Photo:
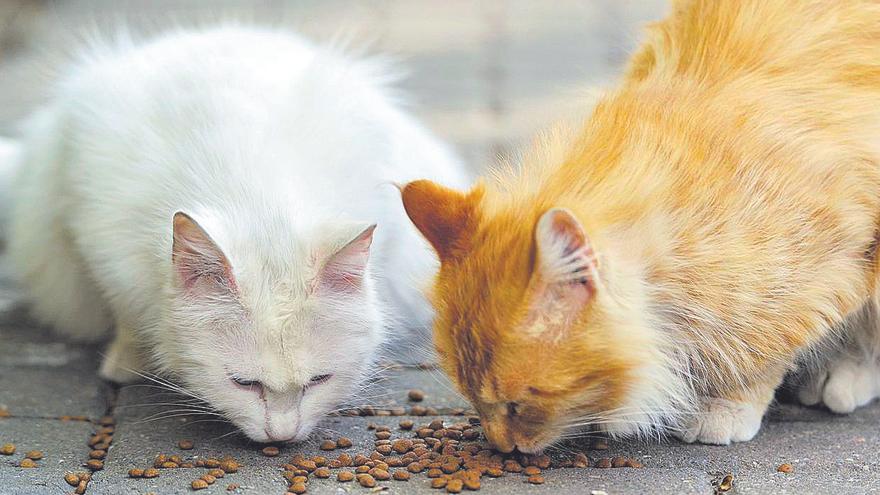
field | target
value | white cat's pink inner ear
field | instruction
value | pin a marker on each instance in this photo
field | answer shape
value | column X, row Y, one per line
column 344, row 271
column 198, row 262
column 565, row 254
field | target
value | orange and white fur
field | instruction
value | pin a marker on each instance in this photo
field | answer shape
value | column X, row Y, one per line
column 713, row 223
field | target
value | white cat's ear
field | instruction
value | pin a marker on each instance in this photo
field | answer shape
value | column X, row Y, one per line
column 198, row 262
column 566, row 273
column 344, row 270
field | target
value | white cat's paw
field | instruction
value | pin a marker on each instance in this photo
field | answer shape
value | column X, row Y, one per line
column 119, row 363
column 847, row 385
column 721, row 422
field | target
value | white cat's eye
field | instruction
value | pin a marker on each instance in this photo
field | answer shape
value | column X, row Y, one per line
column 244, row 382
column 319, row 379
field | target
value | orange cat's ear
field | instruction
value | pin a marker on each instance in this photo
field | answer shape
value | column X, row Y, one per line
column 566, row 273
column 444, row 216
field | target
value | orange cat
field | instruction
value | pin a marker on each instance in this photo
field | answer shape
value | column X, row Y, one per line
column 663, row 269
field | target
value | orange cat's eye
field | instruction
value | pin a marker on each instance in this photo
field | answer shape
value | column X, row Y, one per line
column 512, row 409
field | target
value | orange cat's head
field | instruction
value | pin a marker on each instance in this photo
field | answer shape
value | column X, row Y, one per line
column 525, row 324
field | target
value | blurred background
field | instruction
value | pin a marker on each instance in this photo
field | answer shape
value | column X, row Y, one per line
column 483, row 74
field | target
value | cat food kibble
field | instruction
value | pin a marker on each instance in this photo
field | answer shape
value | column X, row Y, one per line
column 97, row 454
column 344, row 476
column 7, row 449
column 322, row 472
column 603, row 463
column 536, row 479
column 151, row 473
column 416, row 395
column 618, row 462
column 34, row 455
column 81, row 487
column 328, row 445
column 229, row 466
column 95, row 464
column 297, row 488
column 785, row 468
column 232, row 487
column 27, row 463
column 185, row 444
column 217, row 473
column 271, row 451
column 366, row 480
column 454, row 486
column 401, row 475
column 199, row 484
column 343, row 443
column 135, row 473
column 71, row 479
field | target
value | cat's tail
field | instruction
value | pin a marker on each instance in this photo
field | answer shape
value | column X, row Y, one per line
column 10, row 153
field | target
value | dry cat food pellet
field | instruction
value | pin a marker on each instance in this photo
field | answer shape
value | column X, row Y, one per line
column 34, row 455
column 416, row 395
column 785, row 468
column 454, row 486
column 297, row 488
column 581, row 461
column 726, row 483
column 319, row 460
column 383, row 435
column 328, row 445
column 379, row 474
column 199, row 484
column 71, row 479
column 151, row 473
column 633, row 463
column 271, row 451
column 406, row 425
column 322, row 472
column 185, row 444
column 536, row 479
column 343, row 443
column 494, row 472
column 95, row 464
column 438, row 482
column 7, row 449
column 531, row 471
column 618, row 462
column 229, row 466
column 27, row 463
column 232, row 487
column 135, row 473
column 366, row 480
column 217, row 473
column 401, row 475
column 207, row 478
column 344, row 476
column 97, row 454
column 81, row 487
column 169, row 465
column 418, row 410
column 603, row 463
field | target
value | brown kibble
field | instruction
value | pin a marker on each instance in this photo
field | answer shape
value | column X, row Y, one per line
column 27, row 463
column 217, row 473
column 633, row 463
column 454, row 486
column 322, row 472
column 438, row 482
column 211, row 463
column 34, row 455
column 169, row 465
column 401, row 475
column 603, row 463
column 531, row 471
column 97, row 454
column 7, row 449
column 366, row 481
column 107, row 421
column 343, row 443
column 308, row 465
column 228, row 465
column 232, row 487
column 151, row 473
column 581, row 460
column 434, row 473
column 406, row 425
column 199, row 484
column 384, row 450
column 297, row 488
column 494, row 472
column 207, row 478
column 73, row 479
column 185, row 445
column 95, row 464
column 398, row 411
column 362, row 469
column 135, row 473
column 418, row 410
column 472, row 482
column 380, row 474
column 344, row 476
column 785, row 468
column 437, row 424
column 328, row 445
column 319, row 460
column 725, row 484
column 81, row 487
column 536, row 479
column 512, row 466
column 271, row 451
column 383, row 435
column 618, row 462
column 402, row 446
column 415, row 467
column 416, row 395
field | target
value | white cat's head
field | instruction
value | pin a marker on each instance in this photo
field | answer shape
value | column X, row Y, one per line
column 273, row 344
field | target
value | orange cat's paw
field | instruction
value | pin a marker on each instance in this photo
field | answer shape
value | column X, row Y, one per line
column 848, row 384
column 721, row 422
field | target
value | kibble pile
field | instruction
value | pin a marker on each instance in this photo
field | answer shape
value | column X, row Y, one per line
column 452, row 457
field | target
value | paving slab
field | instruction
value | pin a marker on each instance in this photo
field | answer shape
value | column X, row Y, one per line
column 63, row 444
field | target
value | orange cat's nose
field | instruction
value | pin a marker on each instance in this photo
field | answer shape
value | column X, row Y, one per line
column 498, row 436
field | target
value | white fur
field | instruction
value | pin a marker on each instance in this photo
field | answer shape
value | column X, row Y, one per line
column 283, row 152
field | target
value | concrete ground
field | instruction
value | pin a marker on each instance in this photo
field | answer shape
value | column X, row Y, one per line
column 485, row 75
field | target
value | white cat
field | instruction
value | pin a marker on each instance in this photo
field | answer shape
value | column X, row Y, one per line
column 212, row 195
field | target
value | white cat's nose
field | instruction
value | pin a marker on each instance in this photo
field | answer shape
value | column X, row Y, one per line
column 281, row 432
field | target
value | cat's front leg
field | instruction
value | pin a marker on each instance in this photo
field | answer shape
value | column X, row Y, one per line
column 737, row 418
column 123, row 358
